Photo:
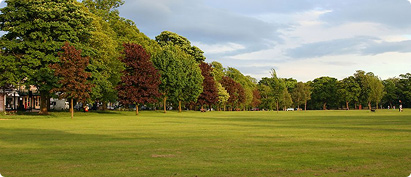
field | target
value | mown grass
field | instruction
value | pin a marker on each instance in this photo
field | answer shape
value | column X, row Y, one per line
column 312, row 143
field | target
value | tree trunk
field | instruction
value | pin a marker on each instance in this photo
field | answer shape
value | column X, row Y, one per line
column 348, row 107
column 369, row 105
column 48, row 103
column 71, row 108
column 179, row 106
column 137, row 109
column 325, row 106
column 104, row 105
column 277, row 106
column 376, row 103
column 43, row 104
column 305, row 106
column 164, row 104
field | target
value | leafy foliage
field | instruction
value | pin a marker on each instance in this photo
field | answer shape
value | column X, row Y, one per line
column 235, row 90
column 256, row 98
column 36, row 30
column 324, row 90
column 71, row 71
column 140, row 80
column 181, row 77
column 209, row 96
column 170, row 38
column 349, row 90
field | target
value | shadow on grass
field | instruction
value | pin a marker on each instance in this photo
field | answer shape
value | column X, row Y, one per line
column 43, row 137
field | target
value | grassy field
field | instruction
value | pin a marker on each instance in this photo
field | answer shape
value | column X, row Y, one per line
column 312, row 143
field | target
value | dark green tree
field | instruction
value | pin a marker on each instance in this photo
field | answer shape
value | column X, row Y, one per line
column 324, row 91
column 36, row 30
column 391, row 92
column 266, row 93
column 404, row 87
column 10, row 75
column 349, row 91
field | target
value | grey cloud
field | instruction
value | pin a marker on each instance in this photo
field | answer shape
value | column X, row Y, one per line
column 379, row 48
column 359, row 45
column 263, row 6
column 201, row 22
column 394, row 13
column 333, row 47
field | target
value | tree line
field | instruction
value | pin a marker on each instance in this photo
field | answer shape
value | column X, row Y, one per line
column 85, row 52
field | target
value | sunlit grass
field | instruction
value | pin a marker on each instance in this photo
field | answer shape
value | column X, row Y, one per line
column 312, row 143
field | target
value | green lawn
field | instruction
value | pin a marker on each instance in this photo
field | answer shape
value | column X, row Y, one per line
column 313, row 143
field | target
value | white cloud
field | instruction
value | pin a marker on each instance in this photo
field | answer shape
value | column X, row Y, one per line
column 219, row 48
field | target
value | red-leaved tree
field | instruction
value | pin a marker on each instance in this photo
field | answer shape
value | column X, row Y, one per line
column 140, row 80
column 256, row 98
column 71, row 70
column 236, row 91
column 209, row 96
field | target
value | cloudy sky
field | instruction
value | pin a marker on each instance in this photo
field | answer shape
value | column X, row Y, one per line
column 301, row 39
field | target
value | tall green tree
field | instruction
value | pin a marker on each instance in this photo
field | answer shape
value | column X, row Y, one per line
column 324, row 91
column 286, row 100
column 247, row 82
column 192, row 81
column 104, row 8
column 376, row 90
column 266, row 93
column 306, row 94
column 300, row 95
column 73, row 78
column 278, row 87
column 218, row 71
column 10, row 75
column 349, row 90
column 181, row 77
column 167, row 38
column 36, row 30
column 404, row 87
column 391, row 91
column 223, row 96
column 104, row 63
column 362, row 80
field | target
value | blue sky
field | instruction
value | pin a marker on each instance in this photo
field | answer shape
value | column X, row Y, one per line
column 302, row 39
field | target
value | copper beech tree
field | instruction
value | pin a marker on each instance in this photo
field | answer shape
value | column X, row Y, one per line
column 209, row 96
column 236, row 91
column 140, row 80
column 71, row 71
